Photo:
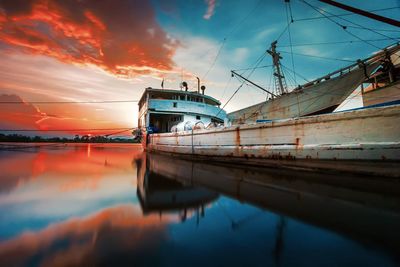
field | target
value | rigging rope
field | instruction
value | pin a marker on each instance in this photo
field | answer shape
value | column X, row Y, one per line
column 261, row 67
column 297, row 73
column 259, row 60
column 290, row 36
column 338, row 24
column 284, row 30
column 328, row 58
column 346, row 14
column 226, row 38
column 226, row 86
column 371, row 29
column 339, row 42
column 215, row 59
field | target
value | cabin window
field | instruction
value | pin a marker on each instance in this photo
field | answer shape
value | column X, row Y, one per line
column 182, row 97
column 176, row 118
column 175, row 104
column 198, row 118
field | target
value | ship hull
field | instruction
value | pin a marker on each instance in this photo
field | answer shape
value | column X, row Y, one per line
column 382, row 95
column 318, row 98
column 365, row 134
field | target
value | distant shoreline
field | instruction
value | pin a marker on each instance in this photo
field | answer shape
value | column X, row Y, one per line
column 70, row 142
column 16, row 146
column 17, row 138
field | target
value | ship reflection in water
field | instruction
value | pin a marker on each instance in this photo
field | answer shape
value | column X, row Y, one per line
column 109, row 205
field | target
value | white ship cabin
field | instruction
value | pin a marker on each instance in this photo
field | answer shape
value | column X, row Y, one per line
column 168, row 110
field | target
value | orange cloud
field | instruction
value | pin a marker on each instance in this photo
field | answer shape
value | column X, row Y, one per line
column 121, row 37
column 121, row 229
column 16, row 114
column 19, row 114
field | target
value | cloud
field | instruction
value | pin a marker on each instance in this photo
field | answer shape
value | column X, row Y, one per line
column 19, row 114
column 265, row 34
column 121, row 37
column 121, row 229
column 210, row 9
column 241, row 54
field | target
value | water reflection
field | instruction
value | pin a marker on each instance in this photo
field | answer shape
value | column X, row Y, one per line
column 81, row 205
column 158, row 194
column 365, row 209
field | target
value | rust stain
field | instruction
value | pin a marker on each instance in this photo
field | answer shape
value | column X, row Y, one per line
column 237, row 151
column 299, row 146
column 237, row 140
column 290, row 157
column 297, row 142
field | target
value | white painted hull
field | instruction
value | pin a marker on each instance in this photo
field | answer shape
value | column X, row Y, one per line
column 366, row 134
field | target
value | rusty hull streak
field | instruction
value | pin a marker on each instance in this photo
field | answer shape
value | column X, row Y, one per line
column 237, row 140
column 306, row 138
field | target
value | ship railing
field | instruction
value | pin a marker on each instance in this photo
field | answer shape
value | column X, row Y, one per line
column 360, row 63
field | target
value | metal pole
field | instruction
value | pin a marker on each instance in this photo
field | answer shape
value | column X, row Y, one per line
column 198, row 85
column 265, row 90
column 363, row 13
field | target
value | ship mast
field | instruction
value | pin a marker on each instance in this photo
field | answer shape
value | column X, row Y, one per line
column 280, row 83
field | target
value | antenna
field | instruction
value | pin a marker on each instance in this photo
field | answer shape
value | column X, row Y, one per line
column 280, row 82
column 198, row 85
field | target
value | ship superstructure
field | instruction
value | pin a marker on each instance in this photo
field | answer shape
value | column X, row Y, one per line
column 168, row 110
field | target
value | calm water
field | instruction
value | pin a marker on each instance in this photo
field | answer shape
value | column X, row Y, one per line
column 111, row 205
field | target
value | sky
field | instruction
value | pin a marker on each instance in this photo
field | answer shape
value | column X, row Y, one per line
column 93, row 51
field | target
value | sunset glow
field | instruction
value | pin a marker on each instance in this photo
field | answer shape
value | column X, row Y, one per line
column 96, row 51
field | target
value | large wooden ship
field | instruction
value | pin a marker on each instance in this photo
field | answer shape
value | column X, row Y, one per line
column 297, row 124
column 369, row 133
